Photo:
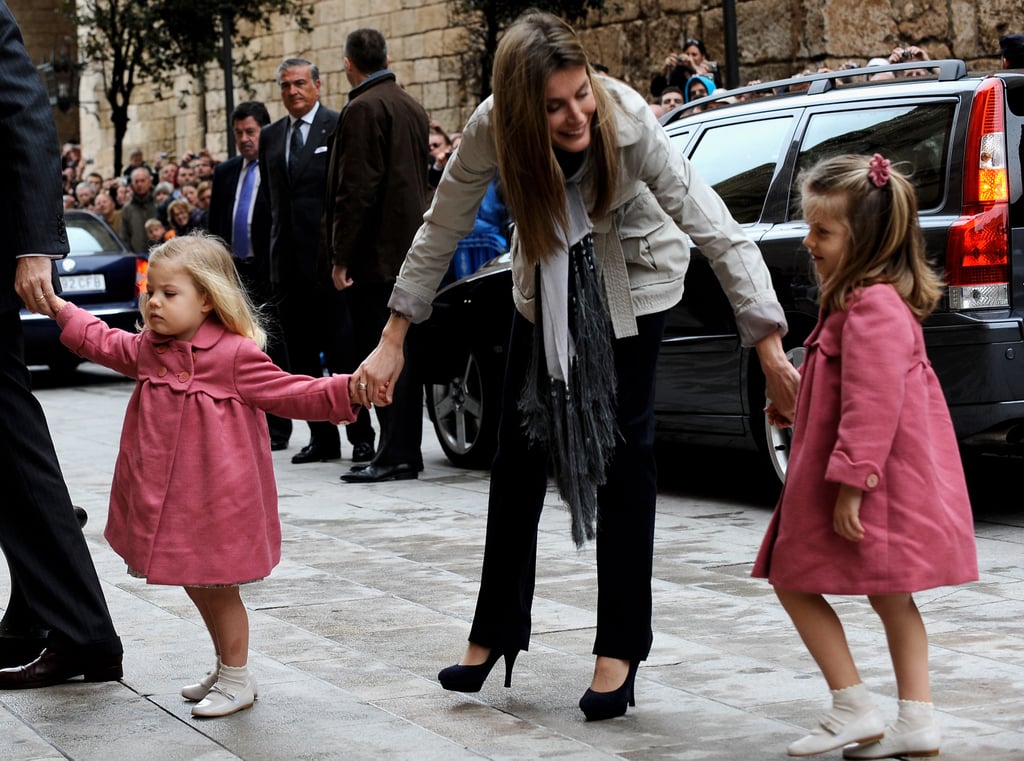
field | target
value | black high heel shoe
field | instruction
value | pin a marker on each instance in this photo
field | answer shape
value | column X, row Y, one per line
column 607, row 705
column 472, row 678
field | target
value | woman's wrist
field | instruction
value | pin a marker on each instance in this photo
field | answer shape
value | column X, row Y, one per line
column 396, row 328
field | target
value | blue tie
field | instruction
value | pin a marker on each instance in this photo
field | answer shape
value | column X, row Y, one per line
column 240, row 230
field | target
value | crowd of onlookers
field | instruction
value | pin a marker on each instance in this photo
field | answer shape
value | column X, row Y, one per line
column 144, row 204
column 688, row 74
column 148, row 204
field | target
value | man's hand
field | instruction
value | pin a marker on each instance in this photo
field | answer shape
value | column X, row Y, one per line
column 33, row 283
column 340, row 277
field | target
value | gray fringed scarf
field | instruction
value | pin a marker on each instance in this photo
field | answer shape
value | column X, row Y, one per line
column 568, row 401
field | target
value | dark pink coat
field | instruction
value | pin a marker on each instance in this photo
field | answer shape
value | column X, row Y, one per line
column 871, row 414
column 194, row 499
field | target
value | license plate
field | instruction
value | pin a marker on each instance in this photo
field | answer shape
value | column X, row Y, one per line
column 83, row 283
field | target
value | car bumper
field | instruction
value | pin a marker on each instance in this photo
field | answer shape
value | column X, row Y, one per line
column 980, row 363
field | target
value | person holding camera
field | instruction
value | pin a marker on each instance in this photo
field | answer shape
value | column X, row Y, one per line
column 678, row 68
column 901, row 54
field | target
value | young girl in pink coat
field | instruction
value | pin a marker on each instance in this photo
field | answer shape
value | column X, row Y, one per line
column 875, row 501
column 194, row 500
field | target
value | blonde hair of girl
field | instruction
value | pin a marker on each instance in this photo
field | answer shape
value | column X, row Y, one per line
column 207, row 261
column 886, row 243
column 536, row 46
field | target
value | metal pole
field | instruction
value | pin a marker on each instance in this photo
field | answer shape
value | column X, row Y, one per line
column 732, row 53
column 227, row 22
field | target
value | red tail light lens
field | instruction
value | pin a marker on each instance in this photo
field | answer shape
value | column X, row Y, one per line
column 141, row 274
column 978, row 249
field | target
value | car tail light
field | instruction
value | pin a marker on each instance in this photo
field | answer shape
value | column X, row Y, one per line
column 141, row 273
column 978, row 249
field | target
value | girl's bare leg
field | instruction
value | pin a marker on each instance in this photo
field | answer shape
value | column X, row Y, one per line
column 822, row 633
column 908, row 644
column 211, row 627
column 226, row 618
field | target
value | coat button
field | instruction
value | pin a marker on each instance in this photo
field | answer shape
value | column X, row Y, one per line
column 162, row 372
column 871, row 481
column 162, row 349
column 183, row 376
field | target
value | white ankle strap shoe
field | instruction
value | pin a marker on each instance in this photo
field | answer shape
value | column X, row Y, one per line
column 835, row 732
column 918, row 743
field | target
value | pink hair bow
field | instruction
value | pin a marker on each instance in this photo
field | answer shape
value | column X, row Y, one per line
column 879, row 172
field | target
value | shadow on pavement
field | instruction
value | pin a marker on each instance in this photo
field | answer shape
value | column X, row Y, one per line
column 732, row 474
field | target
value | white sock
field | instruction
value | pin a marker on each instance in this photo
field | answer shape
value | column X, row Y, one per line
column 854, row 700
column 237, row 676
column 913, row 715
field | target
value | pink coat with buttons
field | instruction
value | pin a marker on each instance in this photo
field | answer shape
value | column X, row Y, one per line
column 871, row 414
column 194, row 499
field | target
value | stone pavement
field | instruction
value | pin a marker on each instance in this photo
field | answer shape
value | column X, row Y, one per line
column 376, row 590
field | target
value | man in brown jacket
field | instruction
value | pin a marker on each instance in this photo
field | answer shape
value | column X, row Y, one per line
column 375, row 199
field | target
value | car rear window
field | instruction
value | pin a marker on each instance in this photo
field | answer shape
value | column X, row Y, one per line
column 738, row 160
column 87, row 235
column 914, row 137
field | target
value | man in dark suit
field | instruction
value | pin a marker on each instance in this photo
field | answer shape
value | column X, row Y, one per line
column 293, row 168
column 376, row 196
column 240, row 214
column 55, row 594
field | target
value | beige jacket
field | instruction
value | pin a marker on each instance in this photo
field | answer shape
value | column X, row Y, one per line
column 641, row 245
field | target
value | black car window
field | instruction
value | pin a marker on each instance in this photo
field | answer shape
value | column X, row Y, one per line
column 90, row 236
column 916, row 138
column 738, row 161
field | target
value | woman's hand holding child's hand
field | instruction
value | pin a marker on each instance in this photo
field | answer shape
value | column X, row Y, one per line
column 355, row 394
column 846, row 517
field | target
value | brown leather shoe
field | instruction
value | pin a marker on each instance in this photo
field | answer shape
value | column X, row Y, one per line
column 52, row 668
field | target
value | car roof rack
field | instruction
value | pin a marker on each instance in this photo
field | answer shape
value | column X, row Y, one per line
column 942, row 70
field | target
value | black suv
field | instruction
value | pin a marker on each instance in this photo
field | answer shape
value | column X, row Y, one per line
column 957, row 134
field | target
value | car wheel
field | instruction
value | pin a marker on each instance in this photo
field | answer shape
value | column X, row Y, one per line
column 465, row 412
column 778, row 440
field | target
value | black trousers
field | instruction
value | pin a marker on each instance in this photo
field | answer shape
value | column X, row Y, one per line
column 54, row 583
column 259, row 293
column 626, row 506
column 315, row 320
column 401, row 422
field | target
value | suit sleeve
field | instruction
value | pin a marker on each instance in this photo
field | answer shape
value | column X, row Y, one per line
column 32, row 208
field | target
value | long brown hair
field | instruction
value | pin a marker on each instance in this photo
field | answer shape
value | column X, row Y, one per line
column 531, row 50
column 886, row 244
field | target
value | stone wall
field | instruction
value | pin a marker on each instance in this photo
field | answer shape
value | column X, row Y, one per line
column 776, row 38
column 45, row 31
